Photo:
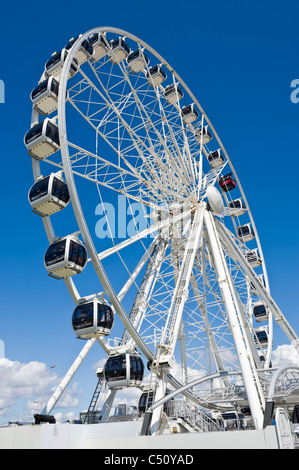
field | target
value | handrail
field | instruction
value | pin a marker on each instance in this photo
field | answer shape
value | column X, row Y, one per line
column 184, row 388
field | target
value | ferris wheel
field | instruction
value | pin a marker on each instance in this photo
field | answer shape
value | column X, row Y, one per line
column 174, row 262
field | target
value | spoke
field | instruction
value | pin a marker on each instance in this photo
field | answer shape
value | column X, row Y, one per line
column 145, row 233
column 148, row 122
column 150, row 174
column 139, row 144
column 115, row 177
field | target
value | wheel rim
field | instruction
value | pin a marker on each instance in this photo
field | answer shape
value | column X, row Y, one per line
column 152, row 181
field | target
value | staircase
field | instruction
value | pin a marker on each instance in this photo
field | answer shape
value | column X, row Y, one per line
column 192, row 417
column 89, row 417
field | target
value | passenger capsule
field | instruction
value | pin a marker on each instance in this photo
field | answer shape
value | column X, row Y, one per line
column 99, row 46
column 124, row 370
column 189, row 113
column 119, row 50
column 92, row 319
column 56, row 62
column 45, row 96
column 263, row 360
column 137, row 61
column 216, row 159
column 261, row 280
column 227, row 183
column 237, row 207
column 66, row 257
column 260, row 312
column 253, row 258
column 156, row 75
column 203, row 135
column 145, row 401
column 232, row 420
column 84, row 51
column 42, row 140
column 49, row 195
column 173, row 93
column 245, row 232
column 261, row 337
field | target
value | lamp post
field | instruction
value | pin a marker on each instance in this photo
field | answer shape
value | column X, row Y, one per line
column 44, row 382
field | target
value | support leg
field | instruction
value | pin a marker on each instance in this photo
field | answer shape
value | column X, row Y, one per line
column 104, row 415
column 246, row 367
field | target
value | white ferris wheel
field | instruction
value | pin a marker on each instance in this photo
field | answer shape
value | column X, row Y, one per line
column 114, row 126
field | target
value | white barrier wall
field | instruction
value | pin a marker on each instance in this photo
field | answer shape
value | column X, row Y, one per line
column 126, row 436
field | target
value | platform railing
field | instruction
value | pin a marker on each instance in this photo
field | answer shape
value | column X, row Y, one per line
column 192, row 415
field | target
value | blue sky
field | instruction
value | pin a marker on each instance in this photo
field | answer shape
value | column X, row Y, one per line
column 239, row 59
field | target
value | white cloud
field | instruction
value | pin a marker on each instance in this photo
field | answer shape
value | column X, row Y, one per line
column 285, row 355
column 21, row 381
column 64, row 416
column 69, row 398
column 100, row 363
column 28, row 386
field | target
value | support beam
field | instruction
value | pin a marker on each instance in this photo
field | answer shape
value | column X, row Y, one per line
column 159, row 395
column 254, row 399
column 104, row 414
column 181, row 291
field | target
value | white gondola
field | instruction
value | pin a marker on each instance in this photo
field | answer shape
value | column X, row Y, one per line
column 253, row 258
column 189, row 113
column 99, row 46
column 261, row 280
column 119, row 50
column 84, row 52
column 42, row 139
column 124, row 370
column 55, row 64
column 123, row 412
column 145, row 401
column 66, row 257
column 92, row 319
column 156, row 75
column 173, row 93
column 245, row 232
column 261, row 337
column 260, row 312
column 137, row 61
column 263, row 360
column 45, row 96
column 237, row 207
column 49, row 195
column 232, row 420
column 216, row 159
column 203, row 135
